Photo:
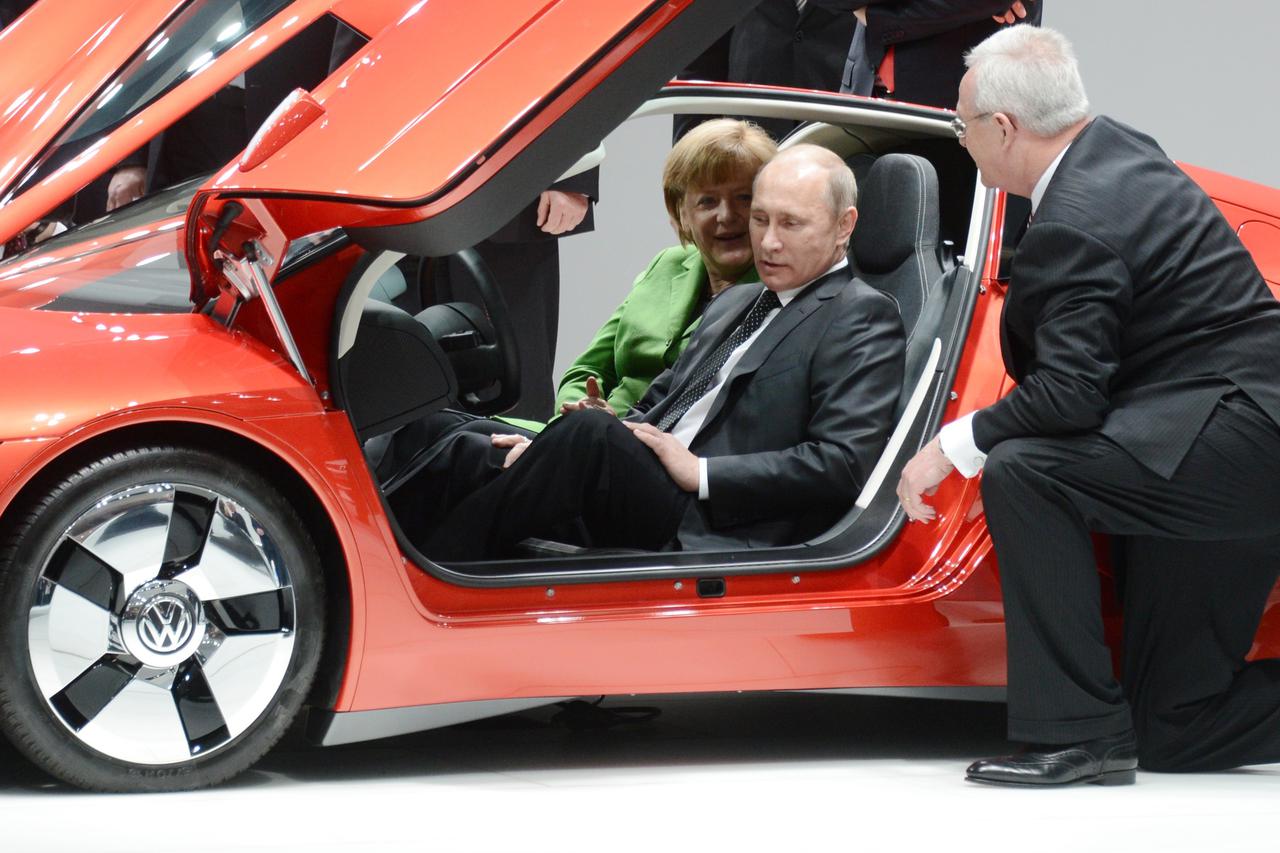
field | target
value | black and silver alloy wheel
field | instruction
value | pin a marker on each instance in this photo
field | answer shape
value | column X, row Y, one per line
column 163, row 617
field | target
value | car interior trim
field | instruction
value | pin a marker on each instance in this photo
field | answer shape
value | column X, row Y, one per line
column 899, row 435
column 349, row 325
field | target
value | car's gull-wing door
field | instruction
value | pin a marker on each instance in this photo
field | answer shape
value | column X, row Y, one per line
column 82, row 91
column 442, row 127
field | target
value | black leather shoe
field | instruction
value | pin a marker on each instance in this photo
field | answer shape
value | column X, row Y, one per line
column 1105, row 761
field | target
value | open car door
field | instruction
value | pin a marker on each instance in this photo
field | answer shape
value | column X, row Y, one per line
column 441, row 128
column 81, row 92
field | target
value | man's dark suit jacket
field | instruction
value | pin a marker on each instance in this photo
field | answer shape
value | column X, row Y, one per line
column 1132, row 307
column 929, row 39
column 778, row 45
column 795, row 432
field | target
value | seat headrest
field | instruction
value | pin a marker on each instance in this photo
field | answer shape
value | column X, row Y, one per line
column 897, row 212
column 396, row 371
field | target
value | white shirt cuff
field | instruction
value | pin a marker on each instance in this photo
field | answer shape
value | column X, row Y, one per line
column 704, row 488
column 956, row 441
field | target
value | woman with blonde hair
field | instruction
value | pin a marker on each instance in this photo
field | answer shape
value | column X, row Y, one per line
column 706, row 184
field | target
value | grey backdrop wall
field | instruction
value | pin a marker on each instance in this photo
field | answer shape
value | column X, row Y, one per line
column 1202, row 78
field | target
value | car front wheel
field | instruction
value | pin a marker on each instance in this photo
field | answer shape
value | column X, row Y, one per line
column 162, row 614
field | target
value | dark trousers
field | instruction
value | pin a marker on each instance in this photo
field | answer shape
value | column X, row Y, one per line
column 585, row 467
column 1200, row 555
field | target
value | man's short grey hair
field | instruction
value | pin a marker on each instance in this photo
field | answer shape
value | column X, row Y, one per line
column 1029, row 73
column 842, row 188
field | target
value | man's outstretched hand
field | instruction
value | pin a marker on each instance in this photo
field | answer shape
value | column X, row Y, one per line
column 674, row 456
column 920, row 477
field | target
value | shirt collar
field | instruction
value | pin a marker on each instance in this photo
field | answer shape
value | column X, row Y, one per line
column 785, row 296
column 1041, row 185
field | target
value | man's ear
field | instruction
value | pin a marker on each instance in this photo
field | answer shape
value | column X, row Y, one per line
column 845, row 224
column 1007, row 128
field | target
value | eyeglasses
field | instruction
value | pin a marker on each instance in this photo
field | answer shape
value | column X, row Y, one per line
column 960, row 127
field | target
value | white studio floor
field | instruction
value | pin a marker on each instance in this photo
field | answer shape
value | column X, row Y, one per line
column 776, row 772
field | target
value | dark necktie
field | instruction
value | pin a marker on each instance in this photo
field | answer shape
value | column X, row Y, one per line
column 701, row 379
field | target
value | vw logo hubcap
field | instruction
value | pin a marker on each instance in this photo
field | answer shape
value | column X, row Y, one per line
column 163, row 623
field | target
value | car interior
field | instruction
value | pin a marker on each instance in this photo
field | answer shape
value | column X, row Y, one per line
column 919, row 205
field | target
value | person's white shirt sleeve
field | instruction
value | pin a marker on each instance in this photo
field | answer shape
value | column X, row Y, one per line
column 956, row 441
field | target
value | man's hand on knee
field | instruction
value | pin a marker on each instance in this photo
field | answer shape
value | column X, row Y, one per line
column 517, row 445
column 681, row 465
column 920, row 477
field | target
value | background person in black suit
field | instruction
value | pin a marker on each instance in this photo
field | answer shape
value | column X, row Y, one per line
column 11, row 9
column 761, row 434
column 779, row 43
column 927, row 41
column 1141, row 335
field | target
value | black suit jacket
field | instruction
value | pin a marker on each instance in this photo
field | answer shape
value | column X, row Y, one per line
column 929, row 38
column 1132, row 307
column 793, row 435
column 778, row 45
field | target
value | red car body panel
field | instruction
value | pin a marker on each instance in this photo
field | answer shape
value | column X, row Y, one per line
column 923, row 611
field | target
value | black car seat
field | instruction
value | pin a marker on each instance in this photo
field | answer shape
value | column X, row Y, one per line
column 895, row 245
column 394, row 376
column 896, row 249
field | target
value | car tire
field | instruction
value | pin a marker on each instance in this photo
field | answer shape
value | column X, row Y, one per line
column 161, row 618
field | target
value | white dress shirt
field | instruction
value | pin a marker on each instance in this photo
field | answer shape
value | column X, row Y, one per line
column 956, row 438
column 690, row 424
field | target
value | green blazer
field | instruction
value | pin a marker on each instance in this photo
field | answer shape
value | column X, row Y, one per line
column 646, row 334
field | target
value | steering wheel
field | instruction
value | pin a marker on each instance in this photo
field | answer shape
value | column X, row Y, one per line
column 480, row 341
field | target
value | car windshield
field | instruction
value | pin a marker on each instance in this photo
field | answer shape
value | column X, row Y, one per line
column 136, row 218
column 184, row 47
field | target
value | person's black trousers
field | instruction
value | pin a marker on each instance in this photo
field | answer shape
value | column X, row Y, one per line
column 1200, row 553
column 585, row 466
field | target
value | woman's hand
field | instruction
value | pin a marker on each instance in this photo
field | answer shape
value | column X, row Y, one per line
column 593, row 400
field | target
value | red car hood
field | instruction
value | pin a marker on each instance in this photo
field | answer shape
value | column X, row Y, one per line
column 434, row 110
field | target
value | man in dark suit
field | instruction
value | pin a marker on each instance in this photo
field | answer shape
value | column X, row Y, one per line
column 913, row 50
column 10, row 10
column 763, row 431
column 1142, row 338
column 779, row 43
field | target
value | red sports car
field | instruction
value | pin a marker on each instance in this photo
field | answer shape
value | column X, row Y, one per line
column 209, row 422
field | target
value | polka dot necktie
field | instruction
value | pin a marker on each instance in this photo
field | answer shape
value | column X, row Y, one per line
column 701, row 379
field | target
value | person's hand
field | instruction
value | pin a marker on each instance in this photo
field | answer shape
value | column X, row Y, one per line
column 127, row 185
column 593, row 400
column 920, row 477
column 560, row 212
column 861, row 15
column 516, row 444
column 681, row 465
column 1015, row 13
